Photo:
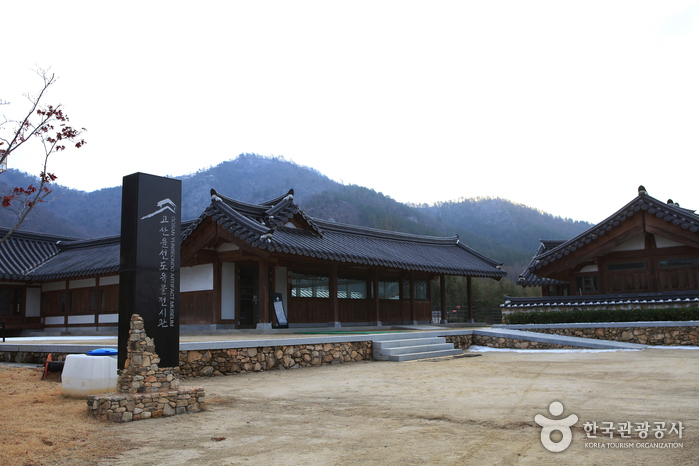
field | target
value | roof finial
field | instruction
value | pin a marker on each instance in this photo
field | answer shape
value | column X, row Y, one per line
column 642, row 190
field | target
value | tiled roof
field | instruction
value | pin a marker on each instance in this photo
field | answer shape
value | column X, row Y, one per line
column 83, row 258
column 527, row 278
column 277, row 226
column 630, row 299
column 670, row 212
column 266, row 226
column 23, row 251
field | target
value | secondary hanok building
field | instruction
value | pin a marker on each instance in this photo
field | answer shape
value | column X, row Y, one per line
column 237, row 260
column 645, row 254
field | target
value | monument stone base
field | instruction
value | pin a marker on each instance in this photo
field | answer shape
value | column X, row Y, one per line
column 144, row 389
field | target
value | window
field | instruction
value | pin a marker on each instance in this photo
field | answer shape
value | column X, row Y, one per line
column 693, row 262
column 421, row 289
column 309, row 286
column 10, row 301
column 586, row 283
column 389, row 290
column 351, row 288
column 621, row 266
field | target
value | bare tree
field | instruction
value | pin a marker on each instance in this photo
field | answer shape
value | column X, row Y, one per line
column 49, row 124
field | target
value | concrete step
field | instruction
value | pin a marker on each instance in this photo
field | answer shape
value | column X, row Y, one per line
column 425, row 355
column 416, row 349
column 410, row 347
column 409, row 342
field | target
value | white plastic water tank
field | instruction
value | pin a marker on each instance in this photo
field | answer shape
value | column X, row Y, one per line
column 85, row 375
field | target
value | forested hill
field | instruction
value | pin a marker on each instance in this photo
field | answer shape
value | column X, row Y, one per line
column 498, row 228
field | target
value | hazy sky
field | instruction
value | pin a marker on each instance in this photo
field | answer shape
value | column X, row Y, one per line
column 560, row 105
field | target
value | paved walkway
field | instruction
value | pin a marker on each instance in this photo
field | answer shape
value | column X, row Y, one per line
column 241, row 339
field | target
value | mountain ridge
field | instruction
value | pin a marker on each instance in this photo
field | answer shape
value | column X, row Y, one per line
column 498, row 228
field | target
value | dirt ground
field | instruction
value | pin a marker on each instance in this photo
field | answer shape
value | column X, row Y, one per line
column 463, row 410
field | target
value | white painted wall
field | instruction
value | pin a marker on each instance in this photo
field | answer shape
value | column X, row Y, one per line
column 108, row 318
column 89, row 319
column 55, row 320
column 661, row 242
column 228, row 290
column 33, row 302
column 113, row 280
column 197, row 278
column 86, row 283
column 227, row 247
column 637, row 243
column 53, row 286
column 589, row 268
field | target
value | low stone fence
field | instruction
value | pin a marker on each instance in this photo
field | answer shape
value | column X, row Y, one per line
column 209, row 362
column 117, row 407
column 644, row 333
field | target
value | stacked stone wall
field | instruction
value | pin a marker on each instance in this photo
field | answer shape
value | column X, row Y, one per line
column 665, row 336
column 117, row 407
column 206, row 363
column 460, row 341
column 145, row 390
column 498, row 342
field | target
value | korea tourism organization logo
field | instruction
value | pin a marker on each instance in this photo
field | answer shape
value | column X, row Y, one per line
column 549, row 426
column 647, row 435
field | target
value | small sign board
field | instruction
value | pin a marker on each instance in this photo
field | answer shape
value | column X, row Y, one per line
column 279, row 310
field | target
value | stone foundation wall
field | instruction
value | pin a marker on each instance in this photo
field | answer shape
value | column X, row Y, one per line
column 207, row 363
column 460, row 341
column 118, row 407
column 665, row 336
column 591, row 307
column 497, row 342
column 27, row 357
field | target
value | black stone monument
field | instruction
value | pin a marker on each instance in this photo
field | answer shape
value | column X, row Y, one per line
column 149, row 275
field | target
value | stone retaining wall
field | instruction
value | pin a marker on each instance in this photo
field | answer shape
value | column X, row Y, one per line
column 206, row 363
column 665, row 336
column 460, row 341
column 499, row 342
column 28, row 357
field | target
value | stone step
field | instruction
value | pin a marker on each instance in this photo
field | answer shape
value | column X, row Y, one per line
column 425, row 355
column 409, row 342
column 416, row 349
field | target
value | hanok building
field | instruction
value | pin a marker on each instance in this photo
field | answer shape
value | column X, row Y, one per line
column 237, row 259
column 645, row 254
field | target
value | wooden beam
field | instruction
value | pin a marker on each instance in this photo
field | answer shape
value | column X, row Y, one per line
column 443, row 298
column 594, row 249
column 660, row 227
column 377, row 312
column 470, row 299
column 411, row 286
column 334, row 304
column 263, row 280
column 202, row 236
column 217, row 291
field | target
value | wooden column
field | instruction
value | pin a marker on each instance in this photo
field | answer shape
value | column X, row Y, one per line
column 334, row 304
column 377, row 313
column 470, row 299
column 443, row 298
column 411, row 284
column 216, row 317
column 263, row 285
